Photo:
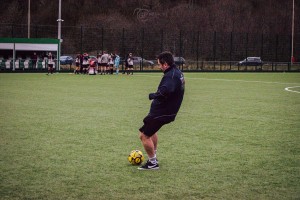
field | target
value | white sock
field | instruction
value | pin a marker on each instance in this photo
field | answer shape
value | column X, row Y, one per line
column 153, row 159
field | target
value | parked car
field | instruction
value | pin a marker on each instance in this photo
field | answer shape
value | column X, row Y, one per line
column 251, row 61
column 66, row 60
column 179, row 60
column 138, row 61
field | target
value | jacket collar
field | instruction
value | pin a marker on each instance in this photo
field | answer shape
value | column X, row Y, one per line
column 171, row 67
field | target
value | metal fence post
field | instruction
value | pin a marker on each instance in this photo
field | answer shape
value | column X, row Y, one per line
column 12, row 31
column 123, row 47
column 238, row 65
column 215, row 49
column 262, row 46
column 81, row 43
column 36, row 31
column 197, row 50
column 230, row 56
column 102, row 39
column 180, row 48
column 276, row 53
column 291, row 46
column 142, row 50
column 247, row 40
column 162, row 40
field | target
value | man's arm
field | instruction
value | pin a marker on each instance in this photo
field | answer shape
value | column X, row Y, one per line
column 164, row 90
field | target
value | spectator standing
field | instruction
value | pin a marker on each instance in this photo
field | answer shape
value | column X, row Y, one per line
column 99, row 63
column 126, row 64
column 81, row 61
column 130, row 64
column 34, row 59
column 92, row 67
column 104, row 62
column 85, row 63
column 77, row 63
column 50, row 63
column 117, row 63
column 111, row 64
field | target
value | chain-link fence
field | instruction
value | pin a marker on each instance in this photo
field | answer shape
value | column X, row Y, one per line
column 201, row 50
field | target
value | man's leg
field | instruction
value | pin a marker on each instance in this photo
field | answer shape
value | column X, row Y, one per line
column 148, row 145
column 149, row 148
column 154, row 139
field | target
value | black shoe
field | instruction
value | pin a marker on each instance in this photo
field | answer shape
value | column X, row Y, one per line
column 149, row 166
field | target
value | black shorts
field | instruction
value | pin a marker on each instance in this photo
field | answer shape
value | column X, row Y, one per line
column 130, row 66
column 152, row 125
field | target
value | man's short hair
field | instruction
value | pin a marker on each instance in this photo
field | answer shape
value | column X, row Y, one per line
column 166, row 57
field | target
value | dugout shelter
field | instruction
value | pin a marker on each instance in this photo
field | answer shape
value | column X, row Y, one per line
column 16, row 53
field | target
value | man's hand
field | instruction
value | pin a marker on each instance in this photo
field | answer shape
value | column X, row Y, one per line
column 151, row 96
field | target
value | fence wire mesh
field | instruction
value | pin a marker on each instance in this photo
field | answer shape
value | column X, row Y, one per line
column 198, row 47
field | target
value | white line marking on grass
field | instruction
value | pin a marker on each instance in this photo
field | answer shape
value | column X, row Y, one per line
column 219, row 79
column 289, row 89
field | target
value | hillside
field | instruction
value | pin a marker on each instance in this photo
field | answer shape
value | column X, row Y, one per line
column 266, row 16
column 205, row 30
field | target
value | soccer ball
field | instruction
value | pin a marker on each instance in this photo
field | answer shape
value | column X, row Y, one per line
column 136, row 157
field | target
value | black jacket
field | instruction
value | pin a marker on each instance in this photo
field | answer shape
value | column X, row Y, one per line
column 168, row 98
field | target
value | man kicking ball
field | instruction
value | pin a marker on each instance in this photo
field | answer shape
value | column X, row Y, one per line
column 164, row 107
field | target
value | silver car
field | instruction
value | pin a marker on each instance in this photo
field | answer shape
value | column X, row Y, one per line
column 251, row 61
column 138, row 61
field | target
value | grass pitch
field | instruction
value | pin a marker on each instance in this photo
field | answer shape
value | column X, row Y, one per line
column 64, row 136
